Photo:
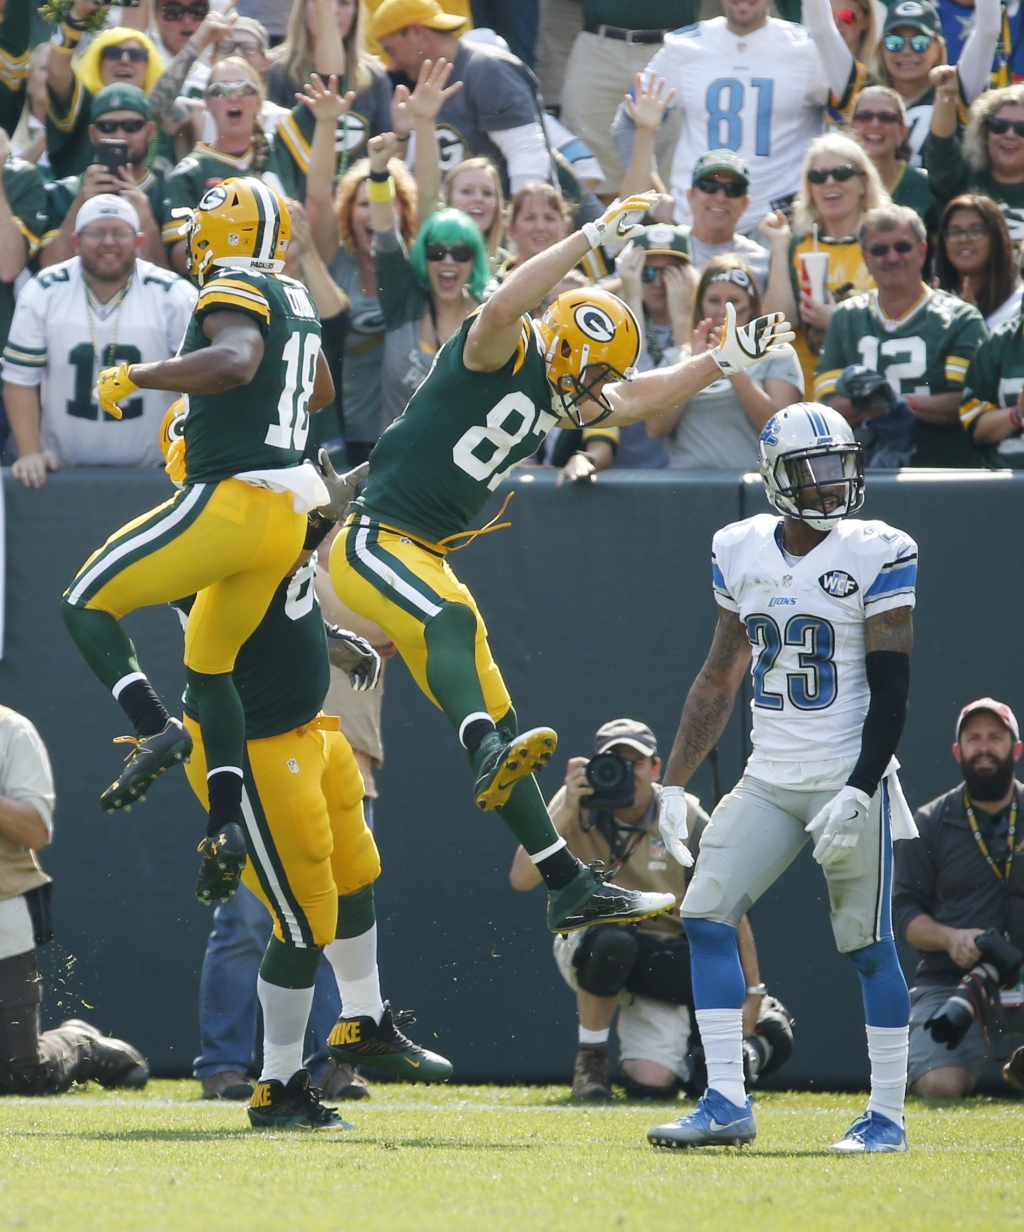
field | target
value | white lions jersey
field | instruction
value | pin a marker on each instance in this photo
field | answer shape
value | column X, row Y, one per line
column 61, row 341
column 762, row 95
column 805, row 621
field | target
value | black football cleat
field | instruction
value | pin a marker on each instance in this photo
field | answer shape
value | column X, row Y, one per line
column 110, row 1062
column 589, row 900
column 224, row 857
column 150, row 757
column 294, row 1104
column 382, row 1045
column 499, row 766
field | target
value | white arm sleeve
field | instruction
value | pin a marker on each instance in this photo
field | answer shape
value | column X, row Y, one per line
column 525, row 152
column 974, row 67
column 836, row 57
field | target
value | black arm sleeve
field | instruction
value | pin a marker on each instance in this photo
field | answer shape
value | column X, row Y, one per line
column 888, row 674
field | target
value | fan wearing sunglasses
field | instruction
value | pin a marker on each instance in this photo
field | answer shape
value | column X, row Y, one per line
column 920, row 339
column 990, row 159
column 879, row 123
column 838, row 186
column 427, row 291
column 119, row 56
column 121, row 134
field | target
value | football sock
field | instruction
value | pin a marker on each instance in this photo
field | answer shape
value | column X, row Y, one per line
column 716, row 973
column 591, row 1039
column 883, row 984
column 138, row 699
column 285, row 989
column 224, row 785
column 104, row 644
column 887, row 1052
column 721, row 1033
column 355, row 913
column 474, row 728
column 222, row 723
column 527, row 817
column 452, row 675
column 354, row 962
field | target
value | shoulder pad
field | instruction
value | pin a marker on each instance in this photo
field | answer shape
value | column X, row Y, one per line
column 874, row 538
column 761, row 525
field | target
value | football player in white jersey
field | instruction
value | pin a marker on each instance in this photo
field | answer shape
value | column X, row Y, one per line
column 105, row 306
column 819, row 605
column 747, row 82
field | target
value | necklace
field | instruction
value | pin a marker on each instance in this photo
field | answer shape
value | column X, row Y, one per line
column 1002, row 873
column 110, row 350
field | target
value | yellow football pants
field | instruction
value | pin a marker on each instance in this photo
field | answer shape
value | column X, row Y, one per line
column 230, row 542
column 400, row 585
column 308, row 841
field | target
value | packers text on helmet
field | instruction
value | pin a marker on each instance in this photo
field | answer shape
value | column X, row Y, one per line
column 238, row 224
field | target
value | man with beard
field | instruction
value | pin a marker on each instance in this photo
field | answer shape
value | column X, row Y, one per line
column 954, row 881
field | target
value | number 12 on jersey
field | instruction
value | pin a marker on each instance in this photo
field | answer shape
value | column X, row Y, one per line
column 724, row 101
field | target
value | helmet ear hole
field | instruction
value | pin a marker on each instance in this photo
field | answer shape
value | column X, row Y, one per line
column 566, row 348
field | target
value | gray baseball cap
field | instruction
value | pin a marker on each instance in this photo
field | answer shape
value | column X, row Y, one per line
column 626, row 731
column 721, row 160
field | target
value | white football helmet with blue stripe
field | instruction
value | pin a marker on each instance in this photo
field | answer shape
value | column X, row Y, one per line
column 811, row 465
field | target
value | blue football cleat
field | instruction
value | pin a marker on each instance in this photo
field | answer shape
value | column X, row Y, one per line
column 871, row 1132
column 714, row 1122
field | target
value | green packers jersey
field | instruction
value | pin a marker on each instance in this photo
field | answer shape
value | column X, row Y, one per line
column 434, row 468
column 913, row 190
column 15, row 36
column 282, row 672
column 926, row 351
column 994, row 381
column 265, row 423
column 26, row 199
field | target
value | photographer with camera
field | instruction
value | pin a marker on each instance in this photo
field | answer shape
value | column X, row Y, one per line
column 959, row 898
column 607, row 810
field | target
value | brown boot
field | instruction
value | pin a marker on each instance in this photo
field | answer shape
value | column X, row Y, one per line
column 343, row 1082
column 590, row 1084
column 227, row 1084
column 1013, row 1070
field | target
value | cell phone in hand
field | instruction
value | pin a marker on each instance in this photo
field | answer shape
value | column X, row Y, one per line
column 112, row 154
column 784, row 204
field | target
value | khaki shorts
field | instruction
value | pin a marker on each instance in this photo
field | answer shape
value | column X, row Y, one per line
column 648, row 1030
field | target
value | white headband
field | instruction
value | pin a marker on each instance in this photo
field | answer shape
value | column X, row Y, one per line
column 738, row 276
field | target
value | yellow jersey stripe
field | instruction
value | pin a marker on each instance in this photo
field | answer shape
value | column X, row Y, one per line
column 232, row 301
column 236, row 284
column 825, row 383
column 239, row 292
column 31, row 238
column 611, row 435
column 974, row 407
column 67, row 123
column 288, row 132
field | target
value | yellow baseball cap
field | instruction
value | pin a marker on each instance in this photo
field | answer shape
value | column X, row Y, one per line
column 395, row 15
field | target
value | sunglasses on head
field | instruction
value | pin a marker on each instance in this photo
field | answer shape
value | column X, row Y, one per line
column 918, row 42
column 882, row 250
column 821, row 175
column 230, row 89
column 997, row 125
column 882, row 117
column 107, row 127
column 137, row 55
column 457, row 252
column 178, row 12
column 729, row 187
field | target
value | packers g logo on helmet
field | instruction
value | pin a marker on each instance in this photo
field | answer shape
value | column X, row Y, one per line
column 238, row 224
column 589, row 336
column 172, row 441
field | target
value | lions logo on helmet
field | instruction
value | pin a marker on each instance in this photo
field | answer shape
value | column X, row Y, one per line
column 810, row 464
column 172, row 441
column 238, row 224
column 589, row 336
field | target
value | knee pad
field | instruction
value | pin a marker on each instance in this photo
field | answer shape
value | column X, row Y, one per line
column 662, row 970
column 604, row 960
column 771, row 1046
column 641, row 1090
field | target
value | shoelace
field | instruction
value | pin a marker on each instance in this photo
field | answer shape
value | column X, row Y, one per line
column 134, row 740
column 403, row 1018
column 310, row 1098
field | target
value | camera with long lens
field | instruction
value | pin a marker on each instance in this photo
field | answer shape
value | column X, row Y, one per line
column 978, row 991
column 611, row 777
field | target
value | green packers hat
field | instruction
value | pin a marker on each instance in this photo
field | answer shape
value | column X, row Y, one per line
column 723, row 160
column 919, row 14
column 660, row 237
column 120, row 98
column 626, row 731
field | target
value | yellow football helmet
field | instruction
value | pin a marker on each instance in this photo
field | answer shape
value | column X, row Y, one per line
column 238, row 224
column 589, row 336
column 172, row 441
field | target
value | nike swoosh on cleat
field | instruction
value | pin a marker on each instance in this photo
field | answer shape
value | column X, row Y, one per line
column 715, row 1125
column 414, row 1064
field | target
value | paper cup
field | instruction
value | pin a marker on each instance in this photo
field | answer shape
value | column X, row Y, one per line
column 815, row 275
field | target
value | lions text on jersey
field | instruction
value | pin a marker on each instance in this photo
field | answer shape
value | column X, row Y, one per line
column 62, row 337
column 805, row 620
column 762, row 94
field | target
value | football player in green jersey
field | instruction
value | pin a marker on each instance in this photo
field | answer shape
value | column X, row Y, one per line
column 252, row 368
column 497, row 387
column 920, row 339
column 994, row 396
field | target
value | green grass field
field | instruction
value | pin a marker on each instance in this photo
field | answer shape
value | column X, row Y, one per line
column 487, row 1159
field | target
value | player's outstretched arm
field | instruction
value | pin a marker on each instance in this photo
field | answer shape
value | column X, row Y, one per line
column 494, row 334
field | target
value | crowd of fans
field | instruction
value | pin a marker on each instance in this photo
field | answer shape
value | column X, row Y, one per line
column 784, row 140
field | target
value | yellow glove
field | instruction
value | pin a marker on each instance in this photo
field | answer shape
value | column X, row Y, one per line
column 113, row 386
column 621, row 220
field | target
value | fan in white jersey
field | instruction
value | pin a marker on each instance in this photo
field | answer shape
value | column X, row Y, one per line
column 745, row 82
column 103, row 307
column 819, row 606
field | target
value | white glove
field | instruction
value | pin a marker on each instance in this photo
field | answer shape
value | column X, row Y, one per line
column 621, row 220
column 837, row 827
column 672, row 825
column 743, row 345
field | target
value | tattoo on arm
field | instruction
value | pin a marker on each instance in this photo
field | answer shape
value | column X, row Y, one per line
column 169, row 86
column 892, row 630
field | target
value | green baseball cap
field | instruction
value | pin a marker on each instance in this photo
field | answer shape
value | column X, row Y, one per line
column 660, row 237
column 919, row 14
column 721, row 160
column 120, row 97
